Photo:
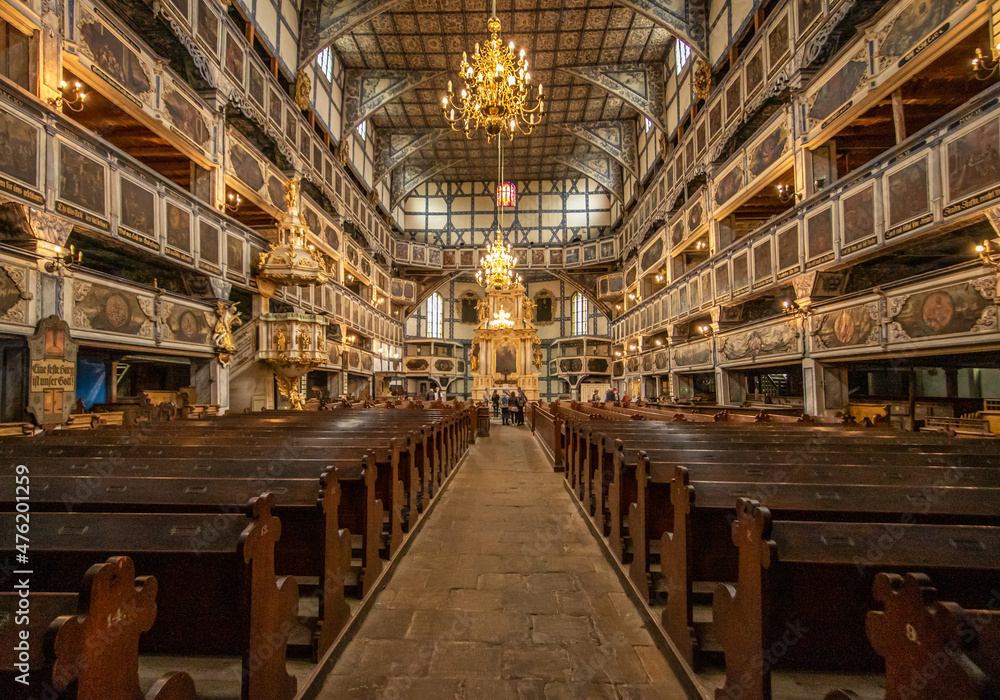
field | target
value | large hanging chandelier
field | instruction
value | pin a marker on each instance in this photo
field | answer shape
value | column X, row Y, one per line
column 495, row 96
column 496, row 269
column 501, row 320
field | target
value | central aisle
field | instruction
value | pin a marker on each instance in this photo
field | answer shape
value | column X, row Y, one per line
column 504, row 594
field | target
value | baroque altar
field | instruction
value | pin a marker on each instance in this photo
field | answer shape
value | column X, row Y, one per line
column 506, row 351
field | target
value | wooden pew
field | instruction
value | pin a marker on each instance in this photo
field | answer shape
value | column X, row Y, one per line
column 934, row 649
column 217, row 590
column 826, row 565
column 91, row 641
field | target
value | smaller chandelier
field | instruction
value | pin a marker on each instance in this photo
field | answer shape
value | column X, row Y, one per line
column 501, row 320
column 496, row 270
column 506, row 194
column 495, row 96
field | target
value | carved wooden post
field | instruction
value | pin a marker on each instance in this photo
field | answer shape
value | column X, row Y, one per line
column 273, row 608
column 740, row 614
column 557, row 445
column 637, row 528
column 675, row 563
column 99, row 647
column 334, row 612
column 396, row 484
column 614, row 502
column 374, row 512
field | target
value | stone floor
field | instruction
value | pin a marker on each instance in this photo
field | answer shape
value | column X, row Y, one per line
column 503, row 594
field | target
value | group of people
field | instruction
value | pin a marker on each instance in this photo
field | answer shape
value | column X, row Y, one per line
column 435, row 394
column 510, row 406
column 611, row 396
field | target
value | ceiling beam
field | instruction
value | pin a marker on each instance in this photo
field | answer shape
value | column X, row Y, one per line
column 685, row 19
column 325, row 21
column 616, row 138
column 411, row 175
column 367, row 91
column 640, row 85
column 393, row 146
column 601, row 168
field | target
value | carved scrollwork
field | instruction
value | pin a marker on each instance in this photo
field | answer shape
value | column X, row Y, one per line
column 81, row 289
column 80, row 318
column 986, row 286
column 987, row 322
column 896, row 333
column 18, row 275
column 895, row 305
column 49, row 227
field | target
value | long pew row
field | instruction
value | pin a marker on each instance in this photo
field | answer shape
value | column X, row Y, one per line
column 257, row 536
column 827, row 520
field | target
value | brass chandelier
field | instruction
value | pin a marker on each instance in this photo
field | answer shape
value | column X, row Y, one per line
column 501, row 320
column 496, row 270
column 495, row 96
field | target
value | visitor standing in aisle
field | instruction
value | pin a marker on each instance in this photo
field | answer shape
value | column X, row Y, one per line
column 496, row 403
column 522, row 405
column 505, row 407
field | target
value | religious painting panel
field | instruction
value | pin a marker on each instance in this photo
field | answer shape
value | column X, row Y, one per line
column 729, row 184
column 234, row 255
column 186, row 117
column 187, row 325
column 105, row 308
column 692, row 354
column 652, row 255
column 834, row 96
column 208, row 247
column 913, row 29
column 573, row 255
column 208, row 28
column 770, row 150
column 434, row 256
column 466, row 258
column 112, row 58
column 19, row 154
column 734, row 99
column 763, row 262
column 556, row 257
column 808, row 11
column 255, row 86
column 276, row 192
column 607, row 250
column 537, row 257
column 789, row 257
column 715, row 120
column 178, row 227
column 701, row 139
column 722, row 280
column 82, row 180
column 235, row 58
column 741, row 273
column 960, row 308
column 246, row 167
column 858, row 219
column 819, row 237
column 590, row 253
column 908, row 198
column 137, row 207
column 778, row 44
column 753, row 71
column 973, row 162
column 857, row 325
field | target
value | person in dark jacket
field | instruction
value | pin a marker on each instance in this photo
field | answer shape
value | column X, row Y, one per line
column 522, row 404
column 505, row 407
column 496, row 403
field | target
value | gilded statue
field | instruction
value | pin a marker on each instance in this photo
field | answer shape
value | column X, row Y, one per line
column 226, row 318
column 483, row 309
column 474, row 358
column 302, row 89
column 292, row 194
column 280, row 341
column 529, row 309
column 536, row 348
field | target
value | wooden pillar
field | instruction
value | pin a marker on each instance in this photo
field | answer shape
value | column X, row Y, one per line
column 898, row 116
column 911, row 408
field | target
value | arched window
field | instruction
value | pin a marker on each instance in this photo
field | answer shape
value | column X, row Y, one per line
column 581, row 310
column 435, row 324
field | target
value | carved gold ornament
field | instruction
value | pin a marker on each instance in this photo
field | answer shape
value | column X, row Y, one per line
column 302, row 89
column 701, row 79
